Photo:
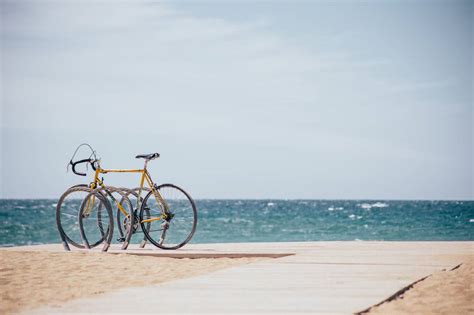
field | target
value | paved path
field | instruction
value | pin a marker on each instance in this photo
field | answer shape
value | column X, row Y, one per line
column 318, row 278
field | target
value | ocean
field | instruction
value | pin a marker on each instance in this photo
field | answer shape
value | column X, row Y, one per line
column 27, row 222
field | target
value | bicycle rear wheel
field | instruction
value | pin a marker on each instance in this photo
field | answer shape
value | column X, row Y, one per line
column 169, row 218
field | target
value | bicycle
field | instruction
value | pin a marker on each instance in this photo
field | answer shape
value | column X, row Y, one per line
column 166, row 209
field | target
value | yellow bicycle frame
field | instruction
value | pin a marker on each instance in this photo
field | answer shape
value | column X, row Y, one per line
column 145, row 176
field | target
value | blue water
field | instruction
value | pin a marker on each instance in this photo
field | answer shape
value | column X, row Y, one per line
column 33, row 222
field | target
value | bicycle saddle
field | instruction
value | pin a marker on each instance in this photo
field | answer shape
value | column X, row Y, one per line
column 148, row 157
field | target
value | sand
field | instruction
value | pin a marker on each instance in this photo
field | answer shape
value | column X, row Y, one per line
column 444, row 292
column 30, row 278
column 350, row 273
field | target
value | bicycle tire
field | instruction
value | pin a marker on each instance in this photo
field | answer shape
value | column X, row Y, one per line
column 105, row 236
column 177, row 209
column 66, row 232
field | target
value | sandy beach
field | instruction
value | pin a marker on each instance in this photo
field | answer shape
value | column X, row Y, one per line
column 444, row 292
column 29, row 279
column 293, row 277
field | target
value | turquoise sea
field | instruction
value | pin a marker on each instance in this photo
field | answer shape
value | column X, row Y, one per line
column 33, row 222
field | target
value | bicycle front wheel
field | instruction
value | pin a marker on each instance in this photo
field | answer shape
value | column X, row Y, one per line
column 168, row 217
column 96, row 222
column 67, row 211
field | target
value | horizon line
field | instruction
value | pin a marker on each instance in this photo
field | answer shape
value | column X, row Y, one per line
column 289, row 199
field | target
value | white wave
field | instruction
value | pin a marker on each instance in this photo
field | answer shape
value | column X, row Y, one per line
column 471, row 220
column 374, row 205
column 270, row 204
column 352, row 216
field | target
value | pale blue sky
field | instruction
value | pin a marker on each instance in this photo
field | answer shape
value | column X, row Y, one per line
column 305, row 99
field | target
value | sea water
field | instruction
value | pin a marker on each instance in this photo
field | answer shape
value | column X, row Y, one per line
column 25, row 222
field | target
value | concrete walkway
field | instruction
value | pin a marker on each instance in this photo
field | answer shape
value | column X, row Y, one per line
column 317, row 278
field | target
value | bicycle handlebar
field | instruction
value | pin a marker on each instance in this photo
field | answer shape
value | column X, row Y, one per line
column 92, row 162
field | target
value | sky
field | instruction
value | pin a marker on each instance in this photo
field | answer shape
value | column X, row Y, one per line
column 242, row 99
